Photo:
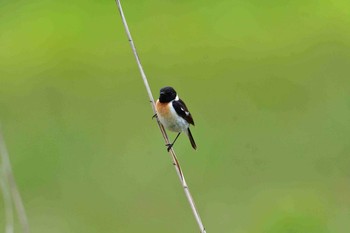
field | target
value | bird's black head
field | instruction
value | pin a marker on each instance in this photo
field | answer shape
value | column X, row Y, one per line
column 167, row 94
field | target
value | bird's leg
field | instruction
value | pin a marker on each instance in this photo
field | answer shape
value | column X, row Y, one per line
column 155, row 115
column 171, row 145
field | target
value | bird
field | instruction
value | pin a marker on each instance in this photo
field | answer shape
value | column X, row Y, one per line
column 172, row 112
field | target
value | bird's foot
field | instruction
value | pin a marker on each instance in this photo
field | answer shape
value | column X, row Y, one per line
column 155, row 115
column 169, row 146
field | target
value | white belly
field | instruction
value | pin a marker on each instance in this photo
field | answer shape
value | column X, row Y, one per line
column 172, row 121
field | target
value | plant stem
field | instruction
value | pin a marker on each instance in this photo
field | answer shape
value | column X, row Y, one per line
column 9, row 180
column 7, row 201
column 164, row 134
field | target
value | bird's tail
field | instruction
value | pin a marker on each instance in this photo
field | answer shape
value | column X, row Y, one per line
column 193, row 143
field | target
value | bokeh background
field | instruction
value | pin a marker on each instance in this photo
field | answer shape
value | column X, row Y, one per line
column 267, row 83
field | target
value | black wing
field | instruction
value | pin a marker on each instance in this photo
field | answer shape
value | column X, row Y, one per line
column 182, row 111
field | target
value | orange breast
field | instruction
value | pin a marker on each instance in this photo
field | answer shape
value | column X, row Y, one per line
column 162, row 109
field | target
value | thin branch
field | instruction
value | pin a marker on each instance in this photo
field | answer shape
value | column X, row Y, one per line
column 10, row 180
column 7, row 201
column 164, row 134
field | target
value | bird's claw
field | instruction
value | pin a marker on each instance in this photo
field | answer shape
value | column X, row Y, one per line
column 169, row 146
column 155, row 115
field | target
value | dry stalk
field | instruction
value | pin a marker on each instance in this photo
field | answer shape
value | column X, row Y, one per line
column 164, row 134
column 7, row 201
column 11, row 193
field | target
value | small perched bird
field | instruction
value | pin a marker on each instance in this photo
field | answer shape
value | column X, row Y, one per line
column 173, row 114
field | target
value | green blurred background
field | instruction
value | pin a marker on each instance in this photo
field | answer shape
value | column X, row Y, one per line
column 267, row 83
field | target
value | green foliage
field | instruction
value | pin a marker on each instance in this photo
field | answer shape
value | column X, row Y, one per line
column 267, row 83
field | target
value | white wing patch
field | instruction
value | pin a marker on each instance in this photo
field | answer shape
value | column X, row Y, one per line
column 187, row 113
